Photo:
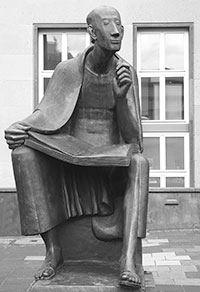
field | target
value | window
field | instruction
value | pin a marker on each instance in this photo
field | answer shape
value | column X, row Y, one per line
column 163, row 71
column 56, row 45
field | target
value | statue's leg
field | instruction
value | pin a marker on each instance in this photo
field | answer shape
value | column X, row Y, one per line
column 54, row 258
column 40, row 201
column 135, row 209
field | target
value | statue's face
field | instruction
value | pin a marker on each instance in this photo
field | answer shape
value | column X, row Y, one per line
column 108, row 30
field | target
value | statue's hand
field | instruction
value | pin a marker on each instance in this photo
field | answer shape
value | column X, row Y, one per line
column 122, row 80
column 16, row 134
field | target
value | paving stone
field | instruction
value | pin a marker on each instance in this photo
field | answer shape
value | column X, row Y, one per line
column 172, row 275
column 188, row 282
column 194, row 275
column 191, row 288
column 157, row 268
column 178, row 258
column 195, row 256
column 176, row 250
column 158, row 255
column 163, row 281
column 30, row 240
column 160, row 241
column 16, row 285
column 196, row 262
column 167, row 263
column 149, row 263
column 170, row 288
column 34, row 258
column 187, row 263
column 188, row 268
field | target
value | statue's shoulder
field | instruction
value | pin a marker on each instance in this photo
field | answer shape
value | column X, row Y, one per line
column 74, row 65
column 67, row 66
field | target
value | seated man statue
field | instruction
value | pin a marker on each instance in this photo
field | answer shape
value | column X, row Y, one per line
column 93, row 97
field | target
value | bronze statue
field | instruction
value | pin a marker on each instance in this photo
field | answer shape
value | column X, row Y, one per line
column 93, row 97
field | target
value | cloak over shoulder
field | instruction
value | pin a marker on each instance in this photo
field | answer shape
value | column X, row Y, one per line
column 60, row 98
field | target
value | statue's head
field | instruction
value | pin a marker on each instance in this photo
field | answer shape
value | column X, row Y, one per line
column 105, row 28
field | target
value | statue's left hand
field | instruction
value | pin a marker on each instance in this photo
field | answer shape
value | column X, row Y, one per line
column 122, row 80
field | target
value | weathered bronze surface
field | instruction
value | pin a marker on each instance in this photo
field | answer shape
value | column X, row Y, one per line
column 93, row 97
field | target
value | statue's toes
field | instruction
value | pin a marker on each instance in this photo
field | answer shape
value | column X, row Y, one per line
column 135, row 279
column 130, row 279
column 48, row 273
column 124, row 276
column 45, row 273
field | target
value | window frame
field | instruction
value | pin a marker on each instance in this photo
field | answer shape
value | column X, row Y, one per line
column 163, row 173
column 37, row 27
column 182, row 126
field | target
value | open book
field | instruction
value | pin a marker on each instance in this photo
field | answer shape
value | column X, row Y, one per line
column 76, row 151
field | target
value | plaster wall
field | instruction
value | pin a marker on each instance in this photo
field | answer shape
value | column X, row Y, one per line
column 16, row 53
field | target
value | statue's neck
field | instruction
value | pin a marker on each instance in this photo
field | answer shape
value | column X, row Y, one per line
column 100, row 61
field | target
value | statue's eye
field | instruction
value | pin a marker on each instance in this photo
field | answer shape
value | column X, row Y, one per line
column 106, row 22
column 118, row 22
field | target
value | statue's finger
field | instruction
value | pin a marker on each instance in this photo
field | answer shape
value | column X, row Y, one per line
column 122, row 65
column 122, row 71
column 13, row 146
column 124, row 80
column 14, row 132
column 11, row 142
column 124, row 75
column 18, row 137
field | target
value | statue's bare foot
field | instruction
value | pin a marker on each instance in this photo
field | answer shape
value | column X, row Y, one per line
column 130, row 279
column 53, row 261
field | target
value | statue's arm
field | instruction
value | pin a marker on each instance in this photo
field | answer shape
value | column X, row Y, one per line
column 128, row 124
column 16, row 133
column 125, row 86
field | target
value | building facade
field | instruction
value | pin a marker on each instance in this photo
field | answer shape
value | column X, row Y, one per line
column 161, row 41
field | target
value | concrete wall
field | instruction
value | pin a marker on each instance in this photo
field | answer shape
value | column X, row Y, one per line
column 167, row 211
column 16, row 53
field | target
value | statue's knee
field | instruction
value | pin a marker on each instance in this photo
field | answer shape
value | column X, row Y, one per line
column 139, row 160
column 23, row 153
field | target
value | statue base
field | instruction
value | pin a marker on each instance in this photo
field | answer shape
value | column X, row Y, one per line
column 89, row 276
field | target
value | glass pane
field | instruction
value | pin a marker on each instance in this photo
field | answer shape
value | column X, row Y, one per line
column 175, row 182
column 152, row 151
column 174, row 51
column 175, row 153
column 52, row 50
column 76, row 43
column 150, row 51
column 174, row 98
column 150, row 98
column 46, row 82
column 154, row 182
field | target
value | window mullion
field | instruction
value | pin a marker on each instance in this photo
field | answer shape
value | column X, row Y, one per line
column 41, row 66
column 186, row 160
column 162, row 51
column 64, row 46
column 162, row 153
column 87, row 40
column 162, row 98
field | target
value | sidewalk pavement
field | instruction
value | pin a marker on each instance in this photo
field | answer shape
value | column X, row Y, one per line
column 172, row 256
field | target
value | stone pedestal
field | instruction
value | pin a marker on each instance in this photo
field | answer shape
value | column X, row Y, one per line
column 90, row 264
column 88, row 276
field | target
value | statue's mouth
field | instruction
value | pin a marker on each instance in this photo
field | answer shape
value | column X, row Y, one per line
column 115, row 41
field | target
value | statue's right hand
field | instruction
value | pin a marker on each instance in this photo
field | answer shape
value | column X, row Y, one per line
column 16, row 134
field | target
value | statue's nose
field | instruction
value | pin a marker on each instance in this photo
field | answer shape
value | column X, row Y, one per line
column 115, row 30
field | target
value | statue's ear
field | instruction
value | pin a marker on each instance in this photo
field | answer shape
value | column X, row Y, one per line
column 92, row 33
column 122, row 28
